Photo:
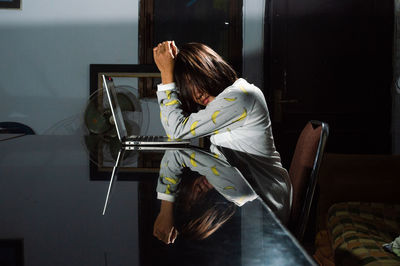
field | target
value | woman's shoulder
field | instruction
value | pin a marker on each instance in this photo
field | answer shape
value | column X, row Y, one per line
column 242, row 89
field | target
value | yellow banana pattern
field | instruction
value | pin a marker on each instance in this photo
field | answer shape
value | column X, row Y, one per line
column 242, row 116
column 215, row 171
column 244, row 90
column 184, row 121
column 230, row 99
column 229, row 187
column 193, row 127
column 171, row 139
column 192, row 159
column 168, row 93
column 173, row 102
column 171, row 180
column 214, row 116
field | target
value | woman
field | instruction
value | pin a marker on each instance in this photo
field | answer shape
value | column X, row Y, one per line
column 200, row 95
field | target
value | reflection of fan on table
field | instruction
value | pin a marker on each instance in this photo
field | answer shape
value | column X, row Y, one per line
column 99, row 121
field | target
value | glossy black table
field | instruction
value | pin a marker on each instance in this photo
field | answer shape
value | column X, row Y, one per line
column 52, row 195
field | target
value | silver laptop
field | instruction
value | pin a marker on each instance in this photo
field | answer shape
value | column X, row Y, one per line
column 120, row 124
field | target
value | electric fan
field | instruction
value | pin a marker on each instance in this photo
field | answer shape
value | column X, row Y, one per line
column 100, row 125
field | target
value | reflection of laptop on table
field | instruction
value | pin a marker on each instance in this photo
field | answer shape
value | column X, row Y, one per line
column 120, row 158
column 120, row 124
column 113, row 176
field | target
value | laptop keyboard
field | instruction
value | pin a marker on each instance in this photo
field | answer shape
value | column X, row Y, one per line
column 151, row 140
column 147, row 138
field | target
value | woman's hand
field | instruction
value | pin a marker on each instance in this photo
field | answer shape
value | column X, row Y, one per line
column 164, row 228
column 164, row 56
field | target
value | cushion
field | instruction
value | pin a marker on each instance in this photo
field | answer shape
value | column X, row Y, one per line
column 359, row 229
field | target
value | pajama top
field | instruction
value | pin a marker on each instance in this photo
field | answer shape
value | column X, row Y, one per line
column 237, row 118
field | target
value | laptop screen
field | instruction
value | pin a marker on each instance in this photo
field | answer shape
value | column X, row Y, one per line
column 115, row 108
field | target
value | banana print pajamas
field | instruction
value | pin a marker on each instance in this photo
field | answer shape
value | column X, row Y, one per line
column 237, row 118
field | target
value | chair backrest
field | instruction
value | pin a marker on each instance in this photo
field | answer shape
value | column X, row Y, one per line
column 15, row 128
column 303, row 173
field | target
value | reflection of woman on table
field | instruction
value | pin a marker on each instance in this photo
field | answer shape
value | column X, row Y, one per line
column 197, row 203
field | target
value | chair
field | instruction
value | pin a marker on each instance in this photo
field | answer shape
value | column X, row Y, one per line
column 15, row 128
column 303, row 173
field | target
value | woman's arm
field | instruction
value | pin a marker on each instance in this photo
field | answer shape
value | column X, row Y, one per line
column 164, row 57
column 226, row 112
column 164, row 228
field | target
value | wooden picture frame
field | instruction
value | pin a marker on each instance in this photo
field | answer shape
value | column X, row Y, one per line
column 147, row 74
column 147, row 164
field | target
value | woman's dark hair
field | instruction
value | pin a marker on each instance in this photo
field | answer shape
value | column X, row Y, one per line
column 198, row 220
column 199, row 66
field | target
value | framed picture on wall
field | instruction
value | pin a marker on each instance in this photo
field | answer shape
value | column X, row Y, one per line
column 12, row 4
column 147, row 76
column 103, row 143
